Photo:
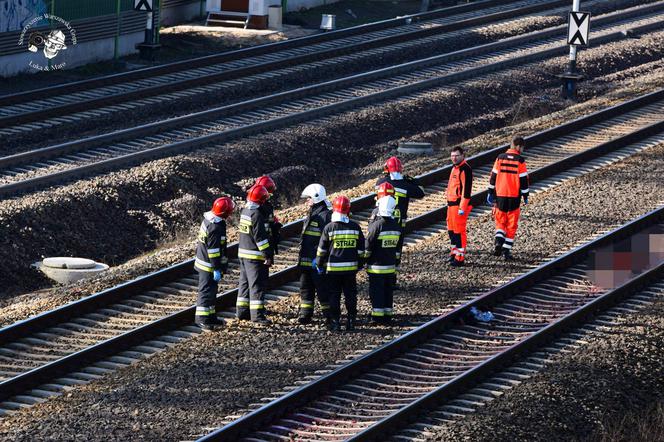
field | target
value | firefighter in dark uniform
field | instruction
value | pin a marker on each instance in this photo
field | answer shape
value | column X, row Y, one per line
column 383, row 190
column 459, row 190
column 507, row 186
column 381, row 254
column 310, row 281
column 211, row 261
column 256, row 257
column 273, row 225
column 340, row 254
column 405, row 188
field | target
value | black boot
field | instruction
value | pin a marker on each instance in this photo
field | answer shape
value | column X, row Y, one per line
column 498, row 250
column 350, row 324
column 451, row 259
column 334, row 325
column 457, row 263
column 508, row 255
column 304, row 320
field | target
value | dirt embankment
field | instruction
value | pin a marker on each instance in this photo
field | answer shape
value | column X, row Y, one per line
column 124, row 214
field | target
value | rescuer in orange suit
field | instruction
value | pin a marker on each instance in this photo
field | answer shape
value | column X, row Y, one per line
column 507, row 185
column 459, row 189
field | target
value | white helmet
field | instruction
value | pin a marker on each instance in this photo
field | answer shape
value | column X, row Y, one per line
column 386, row 206
column 314, row 191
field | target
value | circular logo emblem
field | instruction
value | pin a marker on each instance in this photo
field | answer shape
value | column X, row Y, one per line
column 47, row 44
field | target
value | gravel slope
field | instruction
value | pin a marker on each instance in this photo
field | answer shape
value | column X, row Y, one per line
column 175, row 394
column 142, row 207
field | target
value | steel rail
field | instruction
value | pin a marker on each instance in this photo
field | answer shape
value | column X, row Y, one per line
column 173, row 86
column 37, row 376
column 14, row 189
column 279, row 407
column 253, row 51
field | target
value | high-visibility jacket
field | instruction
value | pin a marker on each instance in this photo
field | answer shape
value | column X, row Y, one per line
column 319, row 216
column 211, row 244
column 254, row 239
column 509, row 180
column 341, row 247
column 381, row 245
column 404, row 189
column 460, row 186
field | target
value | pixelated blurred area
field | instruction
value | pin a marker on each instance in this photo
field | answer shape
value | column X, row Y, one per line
column 612, row 266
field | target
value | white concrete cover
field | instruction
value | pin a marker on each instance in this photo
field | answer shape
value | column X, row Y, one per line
column 64, row 262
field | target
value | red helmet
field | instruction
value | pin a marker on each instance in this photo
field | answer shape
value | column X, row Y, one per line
column 385, row 189
column 258, row 194
column 341, row 204
column 393, row 164
column 266, row 182
column 223, row 207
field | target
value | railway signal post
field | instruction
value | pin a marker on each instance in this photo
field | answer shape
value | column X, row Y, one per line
column 577, row 35
column 149, row 47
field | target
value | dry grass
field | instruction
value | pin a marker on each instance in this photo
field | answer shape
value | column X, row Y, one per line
column 645, row 426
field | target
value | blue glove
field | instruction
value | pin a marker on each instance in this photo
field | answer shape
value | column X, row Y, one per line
column 525, row 199
column 314, row 264
column 217, row 275
column 461, row 212
column 490, row 199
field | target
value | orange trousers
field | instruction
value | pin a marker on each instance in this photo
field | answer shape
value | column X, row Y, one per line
column 456, row 229
column 506, row 225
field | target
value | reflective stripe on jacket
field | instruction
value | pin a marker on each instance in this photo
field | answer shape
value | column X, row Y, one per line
column 341, row 247
column 211, row 244
column 509, row 180
column 460, row 186
column 254, row 240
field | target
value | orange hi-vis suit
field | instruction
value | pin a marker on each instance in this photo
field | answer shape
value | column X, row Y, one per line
column 508, row 183
column 459, row 189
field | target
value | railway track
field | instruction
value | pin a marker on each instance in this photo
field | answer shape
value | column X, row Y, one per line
column 81, row 341
column 57, row 164
column 45, row 106
column 376, row 394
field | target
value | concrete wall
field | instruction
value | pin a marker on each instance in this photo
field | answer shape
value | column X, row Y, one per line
column 296, row 5
column 182, row 13
column 73, row 56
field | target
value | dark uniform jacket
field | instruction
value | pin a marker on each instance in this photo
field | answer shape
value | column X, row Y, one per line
column 254, row 239
column 381, row 245
column 319, row 216
column 509, row 180
column 404, row 189
column 272, row 226
column 460, row 186
column 211, row 244
column 341, row 247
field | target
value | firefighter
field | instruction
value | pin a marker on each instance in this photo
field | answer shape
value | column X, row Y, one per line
column 459, row 189
column 273, row 226
column 256, row 256
column 340, row 254
column 382, row 190
column 310, row 281
column 405, row 188
column 381, row 254
column 211, row 261
column 507, row 185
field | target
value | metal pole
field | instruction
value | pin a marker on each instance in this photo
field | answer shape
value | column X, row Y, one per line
column 576, row 4
column 116, row 52
column 158, row 19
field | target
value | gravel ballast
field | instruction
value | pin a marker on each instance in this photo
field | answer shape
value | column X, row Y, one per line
column 144, row 206
column 306, row 74
column 176, row 394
